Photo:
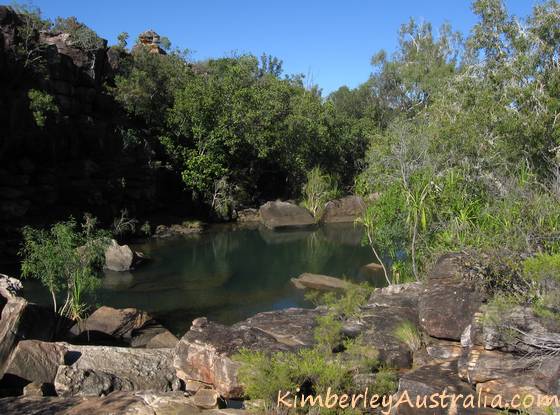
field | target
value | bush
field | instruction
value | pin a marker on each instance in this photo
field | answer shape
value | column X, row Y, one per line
column 81, row 36
column 41, row 106
column 318, row 189
column 66, row 260
column 408, row 333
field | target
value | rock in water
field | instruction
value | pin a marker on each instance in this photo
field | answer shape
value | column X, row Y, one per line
column 118, row 323
column 282, row 215
column 118, row 257
column 346, row 209
column 320, row 282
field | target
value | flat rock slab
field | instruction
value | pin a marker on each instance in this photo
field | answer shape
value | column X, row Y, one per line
column 121, row 403
column 282, row 215
column 319, row 282
column 37, row 361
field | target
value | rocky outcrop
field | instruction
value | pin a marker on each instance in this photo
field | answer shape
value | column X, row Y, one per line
column 20, row 319
column 387, row 309
column 205, row 353
column 319, row 282
column 121, row 403
column 282, row 215
column 133, row 369
column 346, row 209
column 447, row 289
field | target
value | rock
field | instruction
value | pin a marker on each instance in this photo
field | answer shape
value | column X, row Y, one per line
column 118, row 257
column 177, row 230
column 386, row 310
column 117, row 323
column 153, row 335
column 121, row 403
column 20, row 320
column 431, row 379
column 371, row 271
column 346, row 209
column 193, row 386
column 248, row 215
column 445, row 290
column 442, row 350
column 205, row 354
column 319, row 282
column 136, row 369
column 206, row 398
column 37, row 361
column 281, row 215
column 37, row 389
column 72, row 381
column 291, row 326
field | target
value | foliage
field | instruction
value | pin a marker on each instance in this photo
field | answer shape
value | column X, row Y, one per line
column 124, row 224
column 318, row 189
column 29, row 50
column 409, row 334
column 81, row 35
column 41, row 105
column 66, row 260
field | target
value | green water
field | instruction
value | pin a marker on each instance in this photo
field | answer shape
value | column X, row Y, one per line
column 228, row 274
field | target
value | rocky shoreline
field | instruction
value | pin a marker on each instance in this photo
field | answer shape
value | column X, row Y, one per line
column 157, row 373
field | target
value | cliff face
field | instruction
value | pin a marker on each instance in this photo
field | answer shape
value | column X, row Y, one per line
column 76, row 162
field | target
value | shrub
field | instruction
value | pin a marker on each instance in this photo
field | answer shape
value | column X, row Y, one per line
column 408, row 333
column 81, row 36
column 318, row 189
column 41, row 106
column 65, row 260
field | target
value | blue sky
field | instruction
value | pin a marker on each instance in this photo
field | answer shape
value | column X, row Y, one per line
column 332, row 41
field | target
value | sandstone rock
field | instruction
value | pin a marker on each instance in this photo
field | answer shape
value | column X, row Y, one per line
column 37, row 361
column 36, row 389
column 205, row 354
column 371, row 271
column 206, row 398
column 386, row 310
column 138, row 369
column 431, row 379
column 281, row 215
column 319, row 282
column 118, row 257
column 72, row 381
column 153, row 336
column 447, row 303
column 346, row 209
column 117, row 323
column 193, row 386
column 20, row 320
column 248, row 215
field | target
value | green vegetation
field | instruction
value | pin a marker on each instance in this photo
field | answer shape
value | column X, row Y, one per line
column 67, row 260
column 332, row 362
column 318, row 189
column 409, row 334
column 41, row 106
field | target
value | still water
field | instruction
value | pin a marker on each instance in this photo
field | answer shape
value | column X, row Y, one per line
column 228, row 273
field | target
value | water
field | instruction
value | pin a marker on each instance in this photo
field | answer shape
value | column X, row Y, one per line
column 228, row 274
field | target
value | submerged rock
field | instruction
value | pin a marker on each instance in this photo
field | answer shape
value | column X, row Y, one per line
column 282, row 215
column 319, row 282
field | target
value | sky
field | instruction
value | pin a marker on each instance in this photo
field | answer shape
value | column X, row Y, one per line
column 329, row 41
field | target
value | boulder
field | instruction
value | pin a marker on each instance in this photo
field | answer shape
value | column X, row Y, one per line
column 206, row 398
column 346, row 209
column 118, row 257
column 386, row 310
column 37, row 389
column 319, row 282
column 20, row 319
column 448, row 302
column 205, row 353
column 371, row 271
column 113, row 322
column 153, row 336
column 37, row 361
column 73, row 381
column 135, row 369
column 282, row 215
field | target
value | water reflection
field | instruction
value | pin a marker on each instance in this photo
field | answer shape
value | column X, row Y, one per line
column 228, row 274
